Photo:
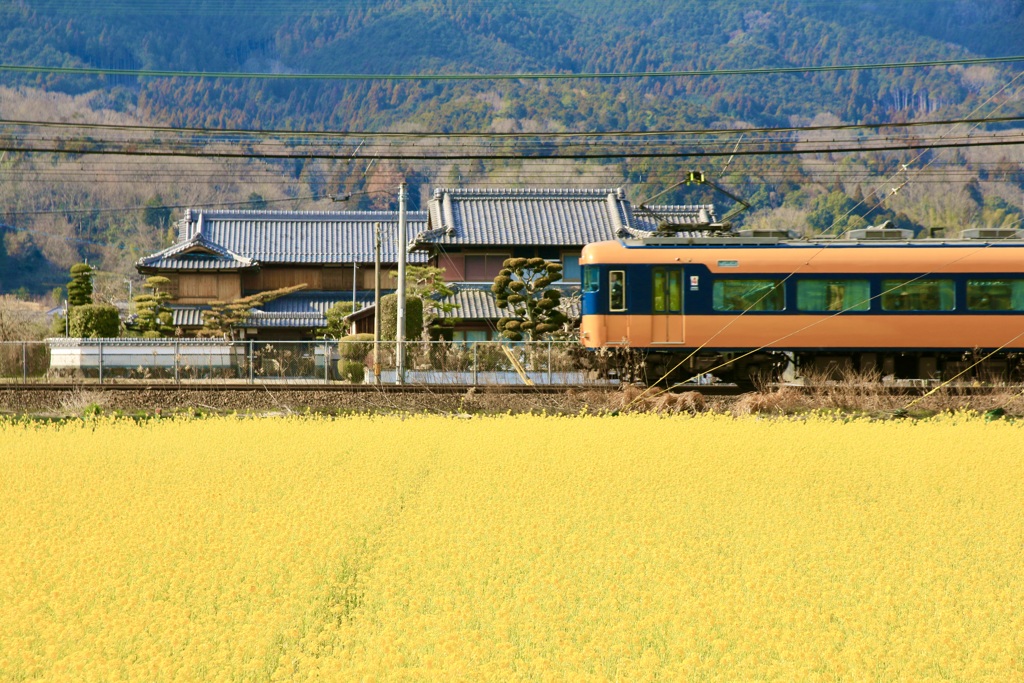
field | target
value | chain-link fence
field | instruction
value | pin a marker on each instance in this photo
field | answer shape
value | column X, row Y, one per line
column 176, row 361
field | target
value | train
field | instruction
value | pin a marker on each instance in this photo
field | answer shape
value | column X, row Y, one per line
column 749, row 306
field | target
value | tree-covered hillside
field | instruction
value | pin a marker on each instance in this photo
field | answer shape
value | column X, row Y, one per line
column 442, row 36
column 56, row 208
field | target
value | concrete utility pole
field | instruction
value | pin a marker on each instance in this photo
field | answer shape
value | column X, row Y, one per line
column 376, row 303
column 400, row 374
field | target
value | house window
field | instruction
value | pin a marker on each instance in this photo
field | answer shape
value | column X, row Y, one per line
column 917, row 295
column 483, row 267
column 748, row 295
column 833, row 295
column 571, row 267
column 469, row 336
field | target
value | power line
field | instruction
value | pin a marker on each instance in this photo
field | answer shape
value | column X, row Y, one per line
column 156, row 73
column 257, row 132
column 310, row 155
column 128, row 209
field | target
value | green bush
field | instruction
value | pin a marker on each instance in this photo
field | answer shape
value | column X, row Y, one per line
column 337, row 326
column 80, row 287
column 94, row 320
column 389, row 317
column 442, row 330
column 351, row 371
column 353, row 351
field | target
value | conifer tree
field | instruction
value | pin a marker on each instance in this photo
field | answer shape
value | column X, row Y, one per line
column 523, row 289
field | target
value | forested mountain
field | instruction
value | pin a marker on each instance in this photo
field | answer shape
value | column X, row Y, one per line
column 444, row 36
column 305, row 37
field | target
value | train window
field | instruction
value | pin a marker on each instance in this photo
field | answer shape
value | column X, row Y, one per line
column 658, row 285
column 591, row 279
column 995, row 295
column 667, row 290
column 617, row 290
column 833, row 295
column 748, row 295
column 675, row 291
column 917, row 295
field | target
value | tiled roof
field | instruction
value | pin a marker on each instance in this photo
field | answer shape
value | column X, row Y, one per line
column 190, row 262
column 195, row 253
column 477, row 303
column 302, row 309
column 305, row 309
column 647, row 219
column 188, row 316
column 541, row 217
column 314, row 237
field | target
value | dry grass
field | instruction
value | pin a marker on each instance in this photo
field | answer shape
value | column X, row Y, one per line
column 76, row 401
column 866, row 393
column 634, row 399
column 855, row 394
column 782, row 401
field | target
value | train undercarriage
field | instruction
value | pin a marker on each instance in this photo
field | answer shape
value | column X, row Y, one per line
column 761, row 368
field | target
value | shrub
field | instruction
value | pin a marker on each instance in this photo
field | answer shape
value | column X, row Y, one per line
column 80, row 286
column 389, row 317
column 351, row 371
column 94, row 320
column 337, row 326
column 348, row 350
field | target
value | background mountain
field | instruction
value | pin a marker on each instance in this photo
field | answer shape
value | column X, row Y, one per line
column 56, row 212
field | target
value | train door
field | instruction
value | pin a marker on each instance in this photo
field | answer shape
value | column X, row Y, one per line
column 667, row 306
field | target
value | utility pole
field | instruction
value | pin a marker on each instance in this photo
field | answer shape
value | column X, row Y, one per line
column 376, row 303
column 400, row 367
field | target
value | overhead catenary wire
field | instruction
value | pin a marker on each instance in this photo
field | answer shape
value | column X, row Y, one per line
column 883, row 196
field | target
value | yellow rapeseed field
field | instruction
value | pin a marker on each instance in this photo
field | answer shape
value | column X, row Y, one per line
column 512, row 548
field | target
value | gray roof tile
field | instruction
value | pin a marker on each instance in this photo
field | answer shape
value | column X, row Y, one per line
column 198, row 253
column 301, row 309
column 477, row 303
column 647, row 219
column 294, row 237
column 542, row 217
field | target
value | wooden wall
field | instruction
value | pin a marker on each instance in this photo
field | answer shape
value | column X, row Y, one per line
column 193, row 288
column 454, row 267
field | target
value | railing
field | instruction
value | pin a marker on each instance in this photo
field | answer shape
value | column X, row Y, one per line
column 189, row 361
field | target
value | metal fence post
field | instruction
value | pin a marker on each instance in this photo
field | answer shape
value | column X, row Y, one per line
column 549, row 362
column 476, row 365
column 24, row 362
column 327, row 362
column 101, row 362
column 250, row 360
column 177, row 378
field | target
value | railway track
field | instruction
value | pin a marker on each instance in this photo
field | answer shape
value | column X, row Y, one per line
column 909, row 387
column 710, row 390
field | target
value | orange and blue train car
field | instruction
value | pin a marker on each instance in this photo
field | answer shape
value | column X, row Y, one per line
column 737, row 308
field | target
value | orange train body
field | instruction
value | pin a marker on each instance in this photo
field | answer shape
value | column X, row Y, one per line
column 699, row 322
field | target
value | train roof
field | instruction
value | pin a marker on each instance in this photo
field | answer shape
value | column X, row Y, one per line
column 748, row 254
